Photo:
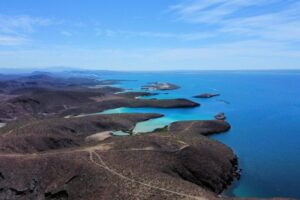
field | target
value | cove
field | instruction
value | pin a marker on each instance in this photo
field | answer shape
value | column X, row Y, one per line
column 170, row 115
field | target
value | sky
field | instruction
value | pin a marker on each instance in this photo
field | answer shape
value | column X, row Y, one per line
column 150, row 34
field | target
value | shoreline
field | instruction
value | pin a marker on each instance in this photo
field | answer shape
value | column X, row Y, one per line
column 179, row 154
column 2, row 125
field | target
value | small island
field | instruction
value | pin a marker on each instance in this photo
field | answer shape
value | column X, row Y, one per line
column 160, row 86
column 206, row 95
column 220, row 116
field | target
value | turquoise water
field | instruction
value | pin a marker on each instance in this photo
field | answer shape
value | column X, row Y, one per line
column 264, row 111
column 170, row 115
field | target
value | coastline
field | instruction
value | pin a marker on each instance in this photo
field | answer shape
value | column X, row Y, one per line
column 187, row 147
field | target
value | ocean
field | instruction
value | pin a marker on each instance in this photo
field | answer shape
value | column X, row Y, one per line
column 263, row 108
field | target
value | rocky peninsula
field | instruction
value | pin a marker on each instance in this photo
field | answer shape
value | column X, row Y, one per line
column 48, row 152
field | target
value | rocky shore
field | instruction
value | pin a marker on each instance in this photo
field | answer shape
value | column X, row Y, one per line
column 47, row 152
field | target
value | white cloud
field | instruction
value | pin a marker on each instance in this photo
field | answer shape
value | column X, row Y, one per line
column 213, row 11
column 106, row 32
column 232, row 17
column 252, row 54
column 178, row 35
column 153, row 34
column 66, row 33
column 14, row 30
column 237, row 19
column 11, row 40
column 22, row 23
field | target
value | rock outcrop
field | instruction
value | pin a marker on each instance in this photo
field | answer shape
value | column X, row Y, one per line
column 220, row 116
column 207, row 95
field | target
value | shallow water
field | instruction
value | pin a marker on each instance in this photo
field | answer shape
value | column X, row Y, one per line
column 263, row 109
column 170, row 115
column 120, row 133
column 2, row 125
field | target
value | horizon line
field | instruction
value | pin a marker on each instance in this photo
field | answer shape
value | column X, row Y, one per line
column 61, row 68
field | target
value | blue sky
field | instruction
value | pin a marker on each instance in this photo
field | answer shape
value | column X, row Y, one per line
column 150, row 35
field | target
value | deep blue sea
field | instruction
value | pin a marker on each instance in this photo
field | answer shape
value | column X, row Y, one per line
column 263, row 108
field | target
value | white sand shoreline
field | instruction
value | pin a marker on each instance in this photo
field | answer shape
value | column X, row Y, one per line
column 2, row 125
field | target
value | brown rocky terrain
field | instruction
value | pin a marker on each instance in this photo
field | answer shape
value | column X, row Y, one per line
column 50, row 159
column 204, row 127
column 164, row 165
column 60, row 99
column 49, row 152
column 207, row 95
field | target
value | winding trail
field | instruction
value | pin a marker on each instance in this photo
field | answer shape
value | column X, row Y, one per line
column 103, row 165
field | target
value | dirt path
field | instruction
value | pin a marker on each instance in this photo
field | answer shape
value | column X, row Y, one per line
column 105, row 147
column 103, row 165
